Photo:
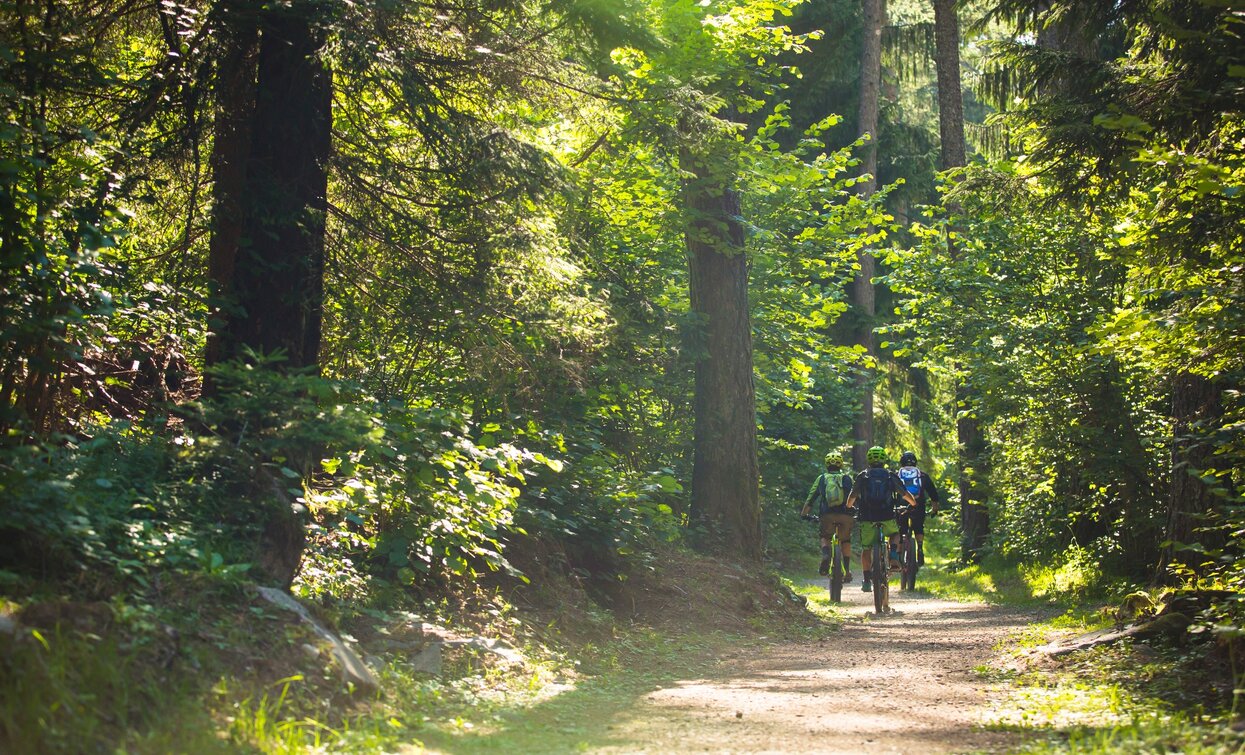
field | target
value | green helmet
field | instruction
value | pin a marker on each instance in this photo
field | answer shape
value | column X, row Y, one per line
column 876, row 455
column 834, row 460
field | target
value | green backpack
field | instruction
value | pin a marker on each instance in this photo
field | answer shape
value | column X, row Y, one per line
column 833, row 497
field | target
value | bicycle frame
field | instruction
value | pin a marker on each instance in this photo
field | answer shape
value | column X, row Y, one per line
column 908, row 565
column 880, row 570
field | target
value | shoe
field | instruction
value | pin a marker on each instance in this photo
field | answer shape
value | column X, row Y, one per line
column 847, row 577
column 824, row 567
column 866, row 587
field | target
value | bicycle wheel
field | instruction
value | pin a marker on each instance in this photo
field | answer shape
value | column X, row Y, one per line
column 879, row 577
column 910, row 566
column 836, row 574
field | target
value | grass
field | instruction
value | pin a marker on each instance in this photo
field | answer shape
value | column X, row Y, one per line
column 1147, row 734
column 1120, row 699
column 1074, row 586
column 590, row 712
column 1108, row 700
column 817, row 592
column 72, row 691
column 202, row 665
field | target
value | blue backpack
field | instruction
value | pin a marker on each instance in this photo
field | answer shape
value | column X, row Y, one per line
column 911, row 479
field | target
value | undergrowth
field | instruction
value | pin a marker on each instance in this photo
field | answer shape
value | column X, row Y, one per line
column 1072, row 581
column 201, row 664
column 1122, row 698
column 1166, row 696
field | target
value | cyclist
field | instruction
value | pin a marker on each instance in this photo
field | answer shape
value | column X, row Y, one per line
column 829, row 492
column 877, row 491
column 921, row 486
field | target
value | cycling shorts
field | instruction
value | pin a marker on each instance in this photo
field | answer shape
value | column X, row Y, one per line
column 840, row 523
column 889, row 527
column 913, row 518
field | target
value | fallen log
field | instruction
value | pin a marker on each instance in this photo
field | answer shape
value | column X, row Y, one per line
column 1170, row 625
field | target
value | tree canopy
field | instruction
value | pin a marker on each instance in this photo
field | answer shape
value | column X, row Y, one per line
column 367, row 296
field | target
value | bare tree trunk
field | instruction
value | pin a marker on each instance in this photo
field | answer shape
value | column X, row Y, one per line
column 863, row 299
column 974, row 516
column 231, row 152
column 267, row 251
column 950, row 94
column 1196, row 407
column 277, row 279
column 725, row 478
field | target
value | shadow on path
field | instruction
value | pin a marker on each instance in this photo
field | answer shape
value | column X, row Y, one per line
column 904, row 682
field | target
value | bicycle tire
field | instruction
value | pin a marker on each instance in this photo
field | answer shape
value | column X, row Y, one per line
column 910, row 566
column 836, row 575
column 879, row 579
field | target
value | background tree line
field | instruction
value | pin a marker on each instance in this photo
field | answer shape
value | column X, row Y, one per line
column 376, row 294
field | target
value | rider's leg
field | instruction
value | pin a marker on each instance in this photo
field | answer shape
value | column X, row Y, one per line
column 918, row 528
column 843, row 528
column 866, row 561
column 824, row 527
column 846, row 545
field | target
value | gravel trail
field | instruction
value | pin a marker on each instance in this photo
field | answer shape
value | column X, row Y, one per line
column 900, row 683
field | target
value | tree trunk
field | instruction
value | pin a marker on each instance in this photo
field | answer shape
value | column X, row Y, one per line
column 950, row 94
column 277, row 278
column 267, row 250
column 231, row 151
column 1196, row 408
column 725, row 478
column 863, row 300
column 974, row 516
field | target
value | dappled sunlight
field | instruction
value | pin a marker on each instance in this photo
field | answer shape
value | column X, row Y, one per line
column 807, row 697
column 1062, row 706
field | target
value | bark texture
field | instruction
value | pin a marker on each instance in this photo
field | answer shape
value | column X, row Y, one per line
column 276, row 282
column 974, row 516
column 725, row 478
column 267, row 249
column 231, row 151
column 1197, row 406
column 863, row 298
column 950, row 94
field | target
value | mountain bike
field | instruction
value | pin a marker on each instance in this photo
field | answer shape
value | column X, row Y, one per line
column 879, row 571
column 837, row 567
column 908, row 564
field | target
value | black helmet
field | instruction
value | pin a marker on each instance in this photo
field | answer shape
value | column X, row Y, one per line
column 908, row 459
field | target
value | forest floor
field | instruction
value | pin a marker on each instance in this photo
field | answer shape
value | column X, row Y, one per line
column 917, row 680
column 697, row 654
column 910, row 681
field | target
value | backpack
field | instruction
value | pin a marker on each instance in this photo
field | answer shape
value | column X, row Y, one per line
column 833, row 497
column 876, row 495
column 911, row 479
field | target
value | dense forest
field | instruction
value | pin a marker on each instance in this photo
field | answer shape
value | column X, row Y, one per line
column 373, row 300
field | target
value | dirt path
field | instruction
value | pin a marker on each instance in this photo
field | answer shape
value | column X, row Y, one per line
column 810, row 697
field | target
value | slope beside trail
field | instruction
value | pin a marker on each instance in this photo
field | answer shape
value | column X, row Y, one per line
column 901, row 683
